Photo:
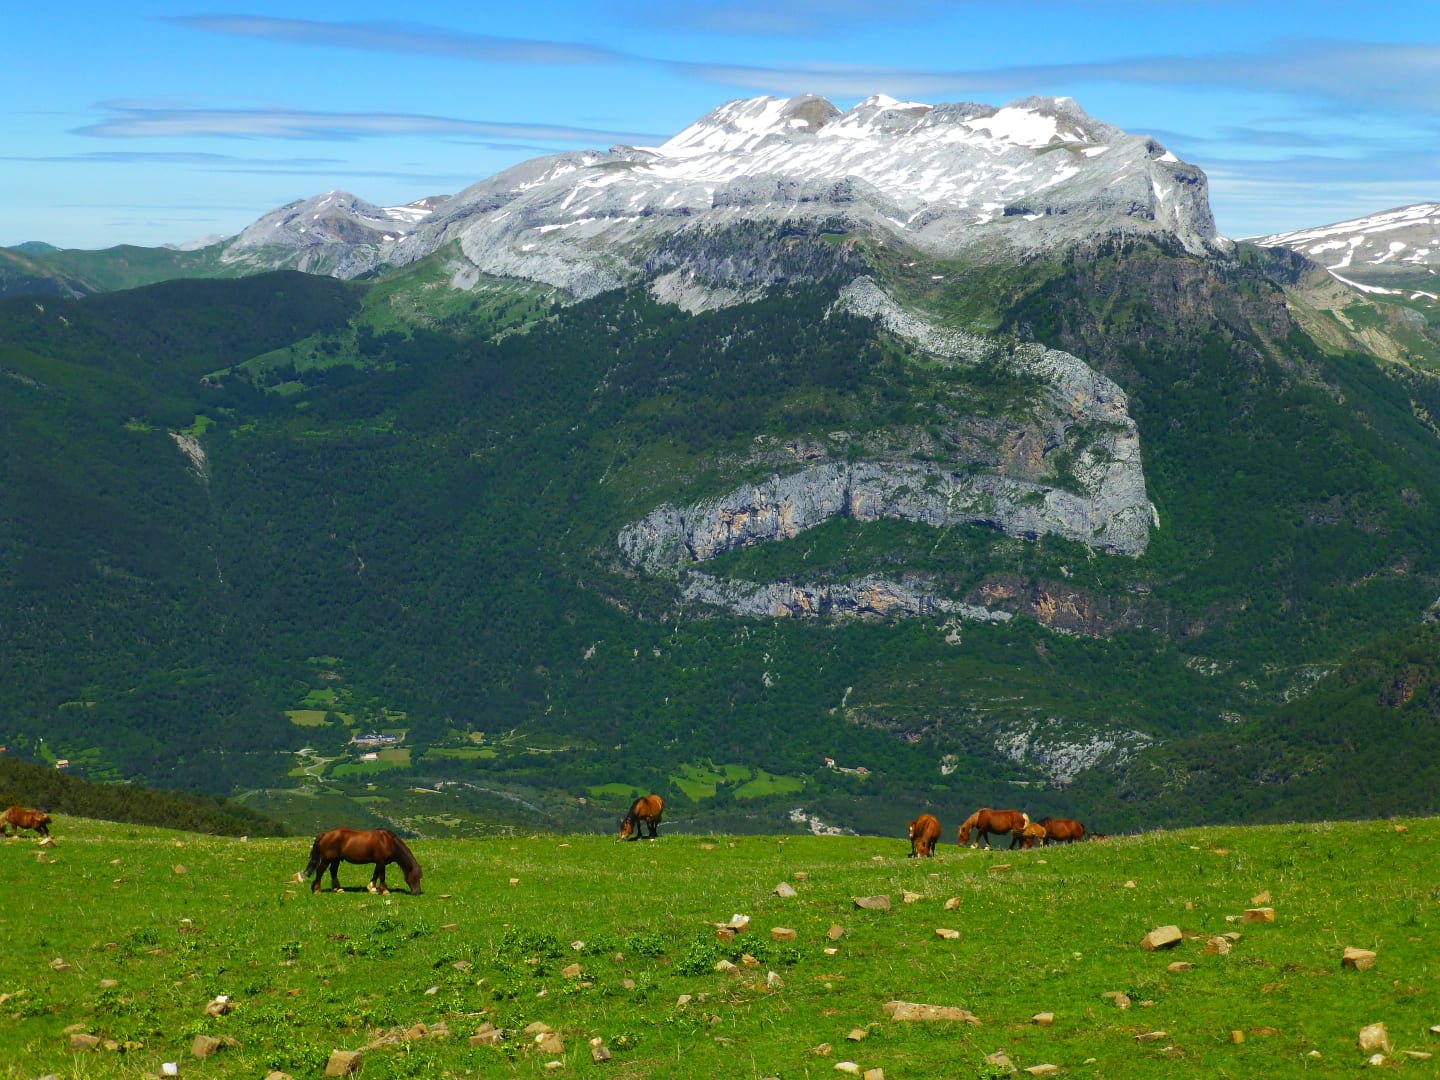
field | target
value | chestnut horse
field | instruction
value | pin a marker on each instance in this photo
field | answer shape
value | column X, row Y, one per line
column 1000, row 822
column 1062, row 829
column 924, row 835
column 646, row 811
column 22, row 818
column 1031, row 834
column 378, row 846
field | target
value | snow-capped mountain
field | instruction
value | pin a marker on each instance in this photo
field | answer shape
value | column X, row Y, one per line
column 1034, row 175
column 1396, row 251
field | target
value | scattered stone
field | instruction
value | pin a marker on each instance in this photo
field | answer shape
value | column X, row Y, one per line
column 873, row 903
column 514, row 881
column 738, row 923
column 874, row 1074
column 1150, row 1036
column 539, row 1027
column 170, row 1068
column 725, row 966
column 1376, row 1059
column 1237, row 1037
column 783, row 933
column 487, row 1034
column 707, row 847
column 1043, row 1070
column 1263, row 897
column 1044, row 1019
column 204, row 1046
column 1374, row 1037
column 856, row 1034
column 785, row 890
column 1435, row 1029
column 800, row 875
column 1359, row 959
column 1189, row 905
column 909, row 1010
column 219, row 1006
column 835, row 933
column 599, row 1052
column 952, row 904
column 550, row 1042
column 59, row 964
column 1119, row 997
column 746, row 960
column 571, row 971
column 1401, row 828
column 627, row 984
column 847, row 1067
column 1000, row 1058
column 831, row 950
column 1218, row 946
column 1266, row 1031
column 823, row 1050
column 577, row 946
column 1000, row 868
column 773, row 981
column 180, row 869
column 1130, row 885
column 1258, row 914
column 724, row 935
column 1179, row 966
column 343, row 1062
column 554, row 1066
column 1418, row 1055
column 461, row 965
column 79, row 1041
column 947, row 934
column 682, row 1001
column 909, row 897
column 1162, row 937
column 278, row 1075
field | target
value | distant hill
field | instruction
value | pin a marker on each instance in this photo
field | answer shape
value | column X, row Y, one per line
column 52, row 790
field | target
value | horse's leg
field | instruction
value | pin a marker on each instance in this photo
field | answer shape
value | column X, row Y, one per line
column 377, row 879
column 335, row 875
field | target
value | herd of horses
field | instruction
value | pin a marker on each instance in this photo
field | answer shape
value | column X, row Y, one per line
column 984, row 823
column 381, row 847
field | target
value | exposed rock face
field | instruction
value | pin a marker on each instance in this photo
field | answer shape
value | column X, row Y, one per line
column 1099, row 500
column 869, row 596
column 1034, row 175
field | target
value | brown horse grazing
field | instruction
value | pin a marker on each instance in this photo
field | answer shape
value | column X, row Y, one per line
column 924, row 835
column 1031, row 834
column 378, row 846
column 22, row 818
column 646, row 811
column 1062, row 830
column 1000, row 822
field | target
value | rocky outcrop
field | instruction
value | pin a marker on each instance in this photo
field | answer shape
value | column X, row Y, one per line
column 871, row 596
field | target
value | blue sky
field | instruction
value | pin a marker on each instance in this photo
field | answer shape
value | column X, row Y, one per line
column 181, row 120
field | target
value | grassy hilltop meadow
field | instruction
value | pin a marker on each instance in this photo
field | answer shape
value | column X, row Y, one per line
column 118, row 937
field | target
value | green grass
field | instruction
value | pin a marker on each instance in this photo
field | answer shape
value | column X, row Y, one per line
column 306, row 717
column 1053, row 933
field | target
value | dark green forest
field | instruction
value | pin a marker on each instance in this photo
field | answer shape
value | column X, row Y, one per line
column 408, row 523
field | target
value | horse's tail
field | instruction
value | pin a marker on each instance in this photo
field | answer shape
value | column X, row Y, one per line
column 313, row 865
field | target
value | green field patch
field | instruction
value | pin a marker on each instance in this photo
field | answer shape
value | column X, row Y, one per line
column 306, row 717
column 459, row 753
column 396, row 755
column 365, row 768
column 765, row 784
column 319, row 699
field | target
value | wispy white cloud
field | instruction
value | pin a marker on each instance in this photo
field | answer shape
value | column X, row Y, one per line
column 135, row 120
column 394, row 37
column 173, row 157
column 1403, row 76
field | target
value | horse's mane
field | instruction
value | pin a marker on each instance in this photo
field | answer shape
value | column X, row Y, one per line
column 972, row 820
column 403, row 855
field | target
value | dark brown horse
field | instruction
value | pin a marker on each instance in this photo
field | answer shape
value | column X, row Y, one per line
column 21, row 818
column 378, row 846
column 646, row 811
column 924, row 835
column 1000, row 822
column 1062, row 830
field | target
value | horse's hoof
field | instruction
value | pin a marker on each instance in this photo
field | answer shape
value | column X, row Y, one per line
column 337, row 889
